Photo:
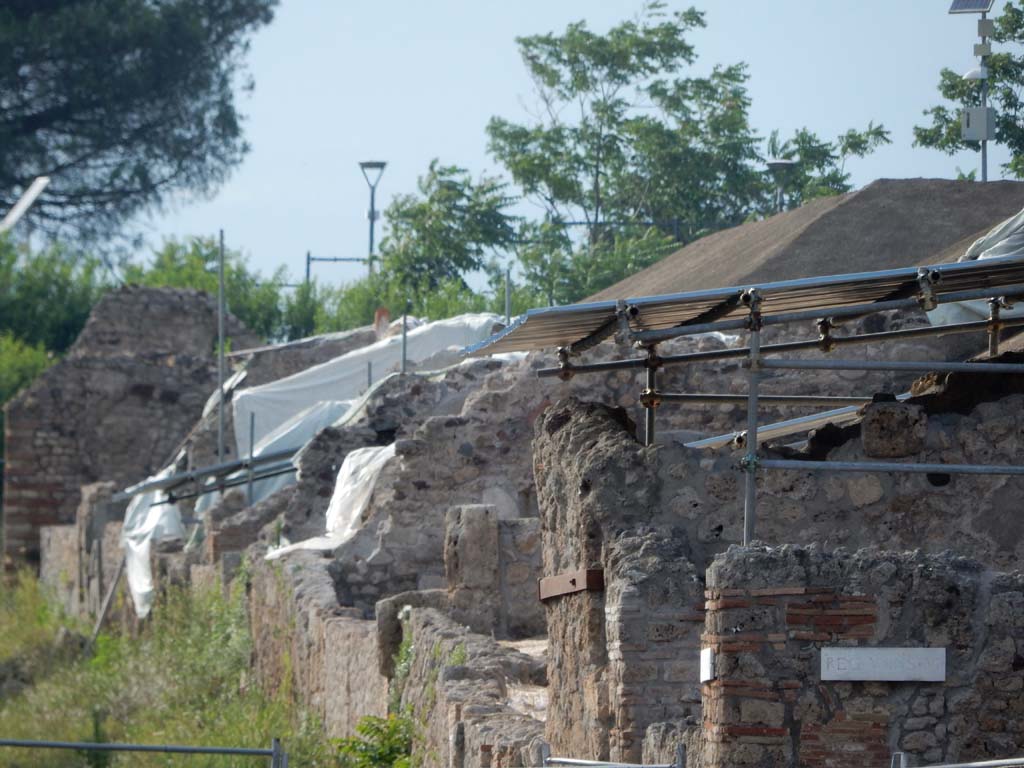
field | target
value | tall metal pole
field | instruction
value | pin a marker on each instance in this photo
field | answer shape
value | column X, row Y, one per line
column 252, row 446
column 220, row 352
column 750, row 461
column 373, row 218
column 309, row 258
column 405, row 315
column 984, row 105
column 508, row 295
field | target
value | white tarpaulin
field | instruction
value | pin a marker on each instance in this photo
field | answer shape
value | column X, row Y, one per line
column 1005, row 239
column 345, row 377
column 147, row 520
column 352, row 491
column 291, row 435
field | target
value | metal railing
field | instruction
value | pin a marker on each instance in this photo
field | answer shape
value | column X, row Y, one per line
column 278, row 757
column 899, row 760
column 573, row 762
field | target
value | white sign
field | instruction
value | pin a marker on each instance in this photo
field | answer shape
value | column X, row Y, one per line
column 884, row 664
column 707, row 664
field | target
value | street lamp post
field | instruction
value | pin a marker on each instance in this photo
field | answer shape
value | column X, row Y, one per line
column 374, row 168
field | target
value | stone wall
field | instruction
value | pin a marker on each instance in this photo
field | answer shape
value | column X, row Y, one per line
column 79, row 562
column 654, row 517
column 113, row 409
column 457, row 691
column 771, row 611
column 305, row 643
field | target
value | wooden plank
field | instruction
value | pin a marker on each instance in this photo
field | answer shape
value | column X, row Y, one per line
column 583, row 580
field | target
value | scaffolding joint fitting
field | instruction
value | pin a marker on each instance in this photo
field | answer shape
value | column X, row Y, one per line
column 650, row 398
column 825, row 339
column 926, row 280
column 750, row 463
column 752, row 301
column 565, row 367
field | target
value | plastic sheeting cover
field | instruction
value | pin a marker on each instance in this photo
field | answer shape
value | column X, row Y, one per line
column 345, row 377
column 291, row 435
column 1004, row 239
column 352, row 491
column 146, row 521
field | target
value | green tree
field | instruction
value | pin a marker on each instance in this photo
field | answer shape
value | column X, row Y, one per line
column 124, row 103
column 619, row 134
column 46, row 296
column 1006, row 81
column 819, row 166
column 253, row 299
column 446, row 230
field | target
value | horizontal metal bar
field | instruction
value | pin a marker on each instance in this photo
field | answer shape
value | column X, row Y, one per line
column 892, row 466
column 598, row 764
column 1007, row 763
column 856, row 310
column 91, row 746
column 893, row 365
column 679, row 397
column 214, row 470
column 789, row 346
column 611, row 365
column 789, row 426
column 570, row 582
column 267, row 473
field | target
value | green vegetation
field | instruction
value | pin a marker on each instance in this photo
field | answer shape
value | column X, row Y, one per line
column 1006, row 85
column 183, row 680
column 383, row 742
column 30, row 625
column 124, row 103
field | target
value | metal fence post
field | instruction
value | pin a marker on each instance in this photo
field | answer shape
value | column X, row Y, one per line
column 275, row 758
column 750, row 461
column 899, row 760
column 252, row 444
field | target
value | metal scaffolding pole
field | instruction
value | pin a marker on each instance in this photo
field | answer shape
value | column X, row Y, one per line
column 897, row 365
column 892, row 466
column 220, row 352
column 754, row 380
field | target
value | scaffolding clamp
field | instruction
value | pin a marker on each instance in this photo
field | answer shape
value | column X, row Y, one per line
column 825, row 339
column 750, row 462
column 926, row 280
column 751, row 299
column 565, row 367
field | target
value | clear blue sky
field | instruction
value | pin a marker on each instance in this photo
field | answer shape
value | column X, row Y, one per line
column 403, row 81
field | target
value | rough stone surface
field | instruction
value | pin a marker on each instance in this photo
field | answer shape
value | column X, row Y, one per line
column 303, row 640
column 113, row 409
column 893, row 430
column 457, row 690
column 773, row 610
column 654, row 517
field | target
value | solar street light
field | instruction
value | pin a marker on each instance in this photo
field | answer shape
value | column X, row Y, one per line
column 375, row 169
column 24, row 203
column 979, row 123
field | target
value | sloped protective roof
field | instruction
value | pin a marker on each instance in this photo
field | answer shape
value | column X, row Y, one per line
column 575, row 324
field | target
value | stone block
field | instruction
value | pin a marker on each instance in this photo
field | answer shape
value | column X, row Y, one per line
column 893, row 430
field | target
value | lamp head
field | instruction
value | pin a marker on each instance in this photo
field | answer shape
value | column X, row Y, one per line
column 372, row 168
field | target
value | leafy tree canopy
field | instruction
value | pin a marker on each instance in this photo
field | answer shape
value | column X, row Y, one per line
column 620, row 135
column 124, row 103
column 46, row 296
column 255, row 301
column 446, row 230
column 819, row 168
column 1006, row 81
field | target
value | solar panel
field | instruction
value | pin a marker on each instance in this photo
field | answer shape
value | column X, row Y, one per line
column 971, row 6
column 551, row 327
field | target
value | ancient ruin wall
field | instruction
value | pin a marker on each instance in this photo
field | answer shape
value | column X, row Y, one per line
column 304, row 642
column 456, row 688
column 607, row 501
column 131, row 386
column 770, row 612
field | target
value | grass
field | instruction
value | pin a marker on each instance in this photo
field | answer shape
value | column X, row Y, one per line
column 184, row 680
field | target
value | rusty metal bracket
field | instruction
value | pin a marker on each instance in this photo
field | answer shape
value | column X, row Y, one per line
column 926, row 280
column 570, row 582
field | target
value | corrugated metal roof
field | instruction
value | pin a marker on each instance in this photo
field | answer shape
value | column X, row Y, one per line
column 552, row 327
